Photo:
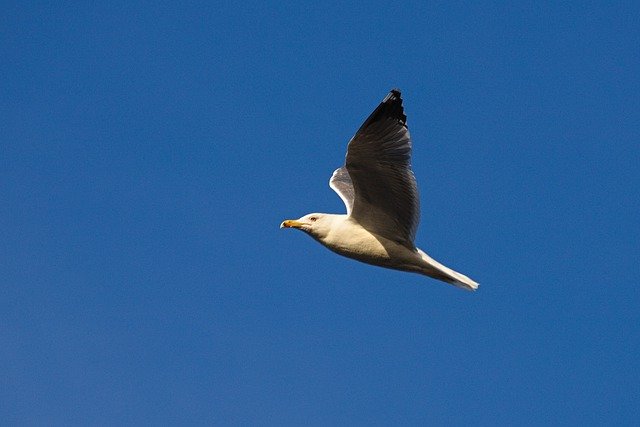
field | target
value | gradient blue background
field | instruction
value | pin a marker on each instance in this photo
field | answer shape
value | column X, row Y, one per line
column 150, row 152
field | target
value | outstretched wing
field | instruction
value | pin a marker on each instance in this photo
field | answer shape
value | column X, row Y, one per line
column 383, row 190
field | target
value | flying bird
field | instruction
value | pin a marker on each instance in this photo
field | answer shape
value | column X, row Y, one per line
column 380, row 193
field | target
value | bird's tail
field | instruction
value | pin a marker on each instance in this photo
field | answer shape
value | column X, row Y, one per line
column 438, row 271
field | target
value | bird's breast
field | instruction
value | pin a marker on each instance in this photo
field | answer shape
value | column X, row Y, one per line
column 358, row 243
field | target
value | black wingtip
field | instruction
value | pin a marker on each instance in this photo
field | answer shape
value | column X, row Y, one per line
column 396, row 92
column 389, row 108
column 395, row 109
column 394, row 95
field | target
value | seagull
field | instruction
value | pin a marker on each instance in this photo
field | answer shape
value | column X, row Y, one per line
column 380, row 193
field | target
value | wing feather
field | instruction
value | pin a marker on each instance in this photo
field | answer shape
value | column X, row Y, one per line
column 385, row 194
column 341, row 183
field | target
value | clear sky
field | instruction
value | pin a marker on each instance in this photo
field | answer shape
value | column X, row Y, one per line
column 149, row 153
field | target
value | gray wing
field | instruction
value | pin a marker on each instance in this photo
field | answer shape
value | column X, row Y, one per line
column 378, row 161
column 341, row 184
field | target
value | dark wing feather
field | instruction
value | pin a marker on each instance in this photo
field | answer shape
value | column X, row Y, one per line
column 379, row 163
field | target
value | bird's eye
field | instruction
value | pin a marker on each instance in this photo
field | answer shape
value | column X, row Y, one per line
column 313, row 219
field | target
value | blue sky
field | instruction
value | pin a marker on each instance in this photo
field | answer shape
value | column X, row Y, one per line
column 150, row 152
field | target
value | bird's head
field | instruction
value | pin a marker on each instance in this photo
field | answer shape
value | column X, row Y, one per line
column 317, row 225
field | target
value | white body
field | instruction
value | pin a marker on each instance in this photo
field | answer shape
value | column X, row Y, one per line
column 345, row 236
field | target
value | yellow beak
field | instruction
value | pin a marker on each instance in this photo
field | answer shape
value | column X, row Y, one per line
column 291, row 223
